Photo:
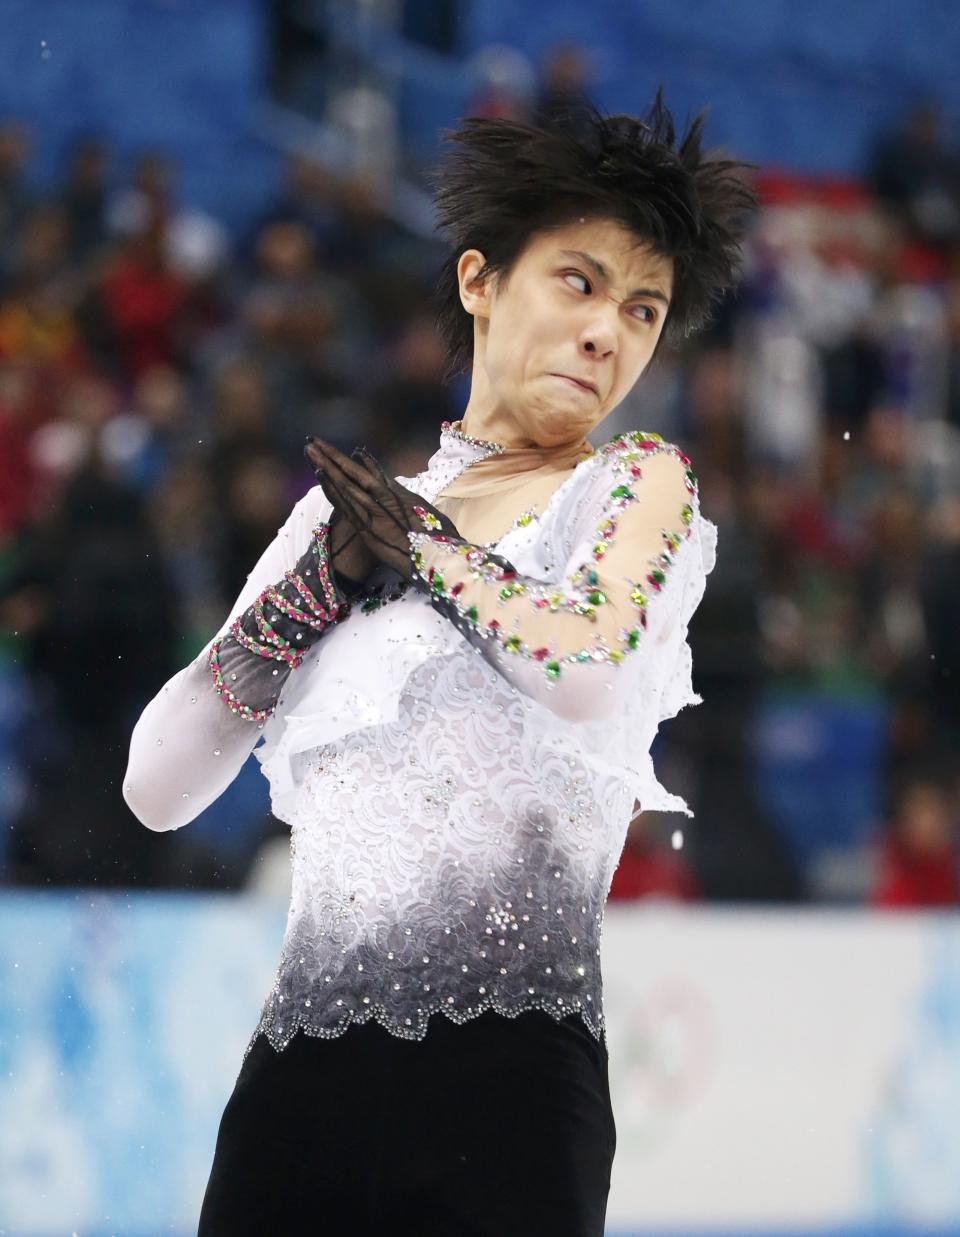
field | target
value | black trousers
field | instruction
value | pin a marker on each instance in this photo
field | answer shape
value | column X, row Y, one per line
column 498, row 1127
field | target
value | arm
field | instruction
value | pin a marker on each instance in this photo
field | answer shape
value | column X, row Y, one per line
column 194, row 736
column 563, row 645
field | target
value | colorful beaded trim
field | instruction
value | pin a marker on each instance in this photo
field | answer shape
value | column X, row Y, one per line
column 272, row 645
column 453, row 429
column 427, row 518
column 627, row 452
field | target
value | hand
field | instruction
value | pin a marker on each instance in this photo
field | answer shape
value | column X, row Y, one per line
column 349, row 554
column 381, row 510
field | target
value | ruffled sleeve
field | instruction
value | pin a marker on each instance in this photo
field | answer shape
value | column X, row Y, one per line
column 677, row 690
column 353, row 679
column 655, row 687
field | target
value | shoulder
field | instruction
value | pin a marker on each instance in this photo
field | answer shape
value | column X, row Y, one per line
column 634, row 482
column 632, row 448
column 641, row 459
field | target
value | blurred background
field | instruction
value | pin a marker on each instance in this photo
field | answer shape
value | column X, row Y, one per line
column 215, row 237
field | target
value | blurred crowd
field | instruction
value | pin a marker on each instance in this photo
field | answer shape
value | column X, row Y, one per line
column 157, row 377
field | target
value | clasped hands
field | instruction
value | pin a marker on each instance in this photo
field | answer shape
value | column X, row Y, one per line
column 372, row 514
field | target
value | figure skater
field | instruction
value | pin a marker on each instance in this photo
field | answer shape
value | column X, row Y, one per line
column 457, row 678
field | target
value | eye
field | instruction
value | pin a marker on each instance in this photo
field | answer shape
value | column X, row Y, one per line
column 568, row 275
column 646, row 309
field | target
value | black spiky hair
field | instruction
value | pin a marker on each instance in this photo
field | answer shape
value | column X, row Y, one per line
column 506, row 181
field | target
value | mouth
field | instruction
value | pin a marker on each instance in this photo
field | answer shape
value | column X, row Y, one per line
column 583, row 383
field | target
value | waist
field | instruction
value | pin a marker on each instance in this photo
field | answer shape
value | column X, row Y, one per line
column 340, row 967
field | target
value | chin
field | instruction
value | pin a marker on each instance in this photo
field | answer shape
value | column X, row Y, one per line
column 552, row 432
column 560, row 418
column 560, row 425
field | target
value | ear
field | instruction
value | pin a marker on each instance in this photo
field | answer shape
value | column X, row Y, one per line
column 474, row 293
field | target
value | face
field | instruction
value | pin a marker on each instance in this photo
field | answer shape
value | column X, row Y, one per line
column 562, row 341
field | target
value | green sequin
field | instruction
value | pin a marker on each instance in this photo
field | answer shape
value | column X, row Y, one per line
column 506, row 592
column 513, row 643
column 634, row 638
column 622, row 491
column 472, row 613
column 553, row 669
column 596, row 598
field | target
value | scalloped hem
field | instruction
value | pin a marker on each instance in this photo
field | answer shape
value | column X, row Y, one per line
column 417, row 1029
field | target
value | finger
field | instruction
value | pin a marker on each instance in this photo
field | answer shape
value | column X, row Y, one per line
column 373, row 463
column 365, row 460
column 372, row 502
column 319, row 459
column 331, row 458
column 378, row 501
column 400, row 519
column 360, row 517
column 406, row 497
column 332, row 492
column 377, row 481
column 358, row 496
column 344, row 504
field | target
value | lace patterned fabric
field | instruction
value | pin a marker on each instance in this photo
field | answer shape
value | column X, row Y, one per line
column 453, row 837
column 455, row 820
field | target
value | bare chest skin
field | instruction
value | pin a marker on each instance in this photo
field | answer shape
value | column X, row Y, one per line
column 485, row 518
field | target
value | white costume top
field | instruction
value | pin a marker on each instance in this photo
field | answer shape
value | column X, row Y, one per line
column 456, row 818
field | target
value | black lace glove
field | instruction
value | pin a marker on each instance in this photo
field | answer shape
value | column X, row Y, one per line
column 351, row 562
column 382, row 511
column 251, row 663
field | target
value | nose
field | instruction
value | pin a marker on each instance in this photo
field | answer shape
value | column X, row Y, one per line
column 599, row 337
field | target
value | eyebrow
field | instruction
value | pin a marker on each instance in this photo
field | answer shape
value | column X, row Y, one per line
column 602, row 271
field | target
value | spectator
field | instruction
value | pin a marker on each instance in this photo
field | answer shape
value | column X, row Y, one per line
column 194, row 243
column 84, row 195
column 135, row 357
column 141, row 303
column 15, row 196
column 506, row 84
column 650, row 867
column 918, row 178
column 918, row 856
column 307, row 197
column 97, row 598
column 563, row 97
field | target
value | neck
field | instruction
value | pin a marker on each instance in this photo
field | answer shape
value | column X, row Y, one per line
column 494, row 425
column 495, row 466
